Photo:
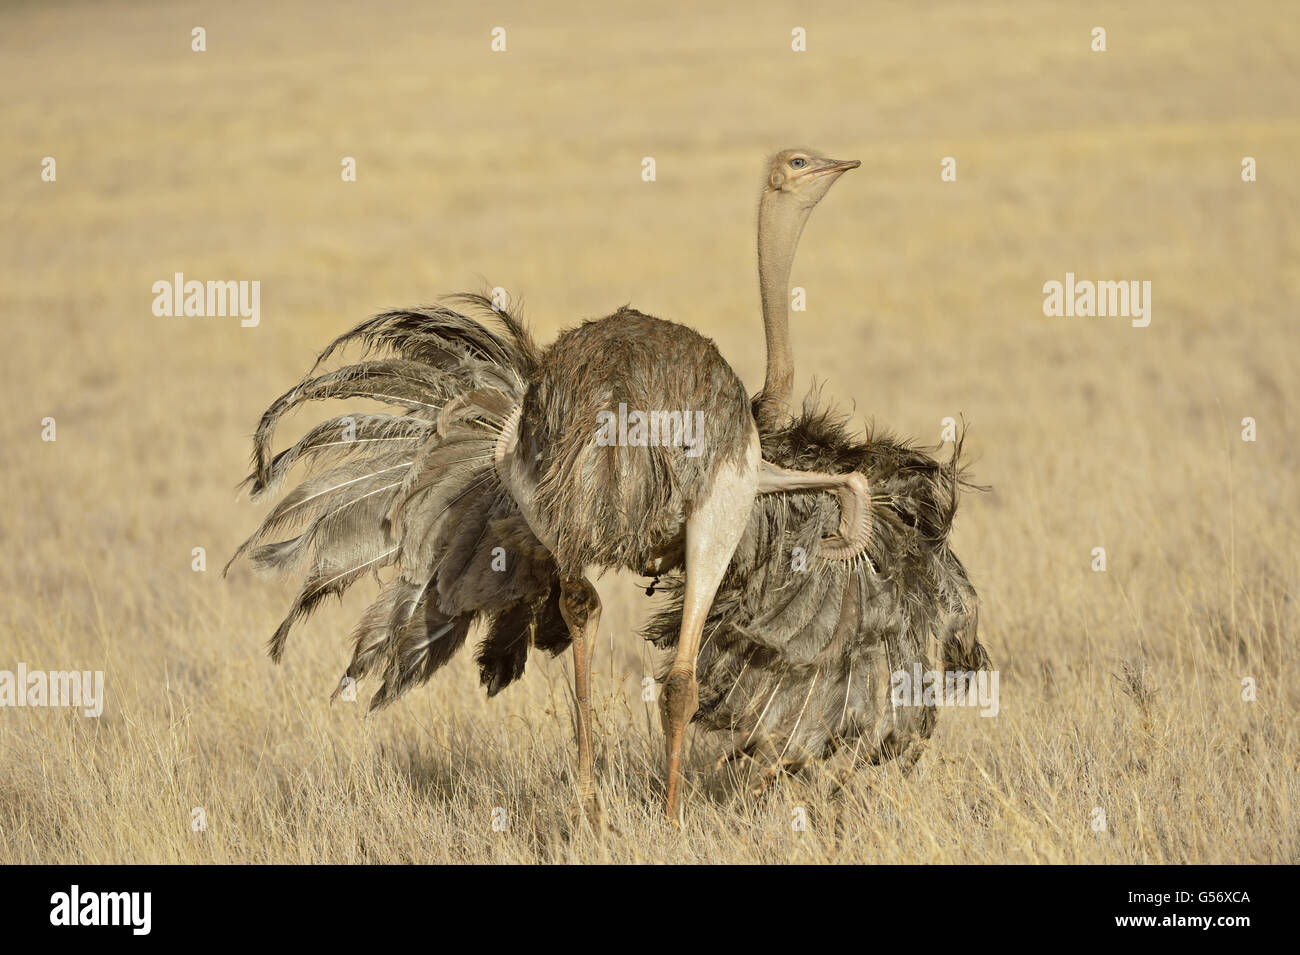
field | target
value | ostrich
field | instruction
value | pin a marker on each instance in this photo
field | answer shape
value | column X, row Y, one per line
column 497, row 452
column 796, row 660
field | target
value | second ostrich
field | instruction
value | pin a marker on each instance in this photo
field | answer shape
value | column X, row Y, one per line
column 799, row 656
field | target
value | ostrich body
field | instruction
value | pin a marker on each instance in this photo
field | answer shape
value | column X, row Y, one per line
column 632, row 507
column 497, row 448
column 796, row 660
column 646, row 508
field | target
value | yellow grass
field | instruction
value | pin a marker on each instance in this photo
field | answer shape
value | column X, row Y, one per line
column 1120, row 690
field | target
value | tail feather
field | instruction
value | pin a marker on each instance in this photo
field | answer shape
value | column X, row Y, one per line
column 423, row 646
column 436, row 488
column 326, row 579
column 345, row 436
column 414, row 490
column 416, row 387
column 503, row 653
column 327, row 497
column 370, row 639
column 442, row 337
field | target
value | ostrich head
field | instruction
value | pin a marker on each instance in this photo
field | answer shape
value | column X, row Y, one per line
column 796, row 181
column 800, row 177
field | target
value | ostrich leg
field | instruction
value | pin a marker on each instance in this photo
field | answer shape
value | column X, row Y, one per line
column 580, row 607
column 712, row 533
column 850, row 488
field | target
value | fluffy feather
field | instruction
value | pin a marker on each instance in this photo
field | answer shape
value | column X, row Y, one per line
column 795, row 664
column 415, row 491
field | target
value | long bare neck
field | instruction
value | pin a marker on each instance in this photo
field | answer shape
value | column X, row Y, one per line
column 780, row 223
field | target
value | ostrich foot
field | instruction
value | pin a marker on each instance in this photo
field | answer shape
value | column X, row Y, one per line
column 680, row 700
column 587, row 811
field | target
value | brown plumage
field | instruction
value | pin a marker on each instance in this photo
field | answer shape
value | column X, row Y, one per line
column 496, row 459
column 635, row 503
column 796, row 660
column 496, row 454
column 641, row 362
column 414, row 491
column 794, row 665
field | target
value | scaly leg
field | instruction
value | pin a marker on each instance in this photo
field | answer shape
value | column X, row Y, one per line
column 712, row 532
column 580, row 607
column 850, row 488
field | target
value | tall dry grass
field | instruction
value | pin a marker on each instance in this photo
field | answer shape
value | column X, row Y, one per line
column 1120, row 690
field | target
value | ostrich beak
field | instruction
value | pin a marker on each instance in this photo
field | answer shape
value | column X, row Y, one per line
column 837, row 166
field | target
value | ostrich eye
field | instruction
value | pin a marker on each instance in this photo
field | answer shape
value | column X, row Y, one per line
column 798, row 163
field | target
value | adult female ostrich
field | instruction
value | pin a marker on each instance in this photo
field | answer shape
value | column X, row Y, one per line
column 501, row 444
column 798, row 652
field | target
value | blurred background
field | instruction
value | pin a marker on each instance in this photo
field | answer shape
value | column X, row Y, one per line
column 523, row 169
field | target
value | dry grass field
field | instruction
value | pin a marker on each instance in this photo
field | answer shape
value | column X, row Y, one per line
column 1120, row 690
